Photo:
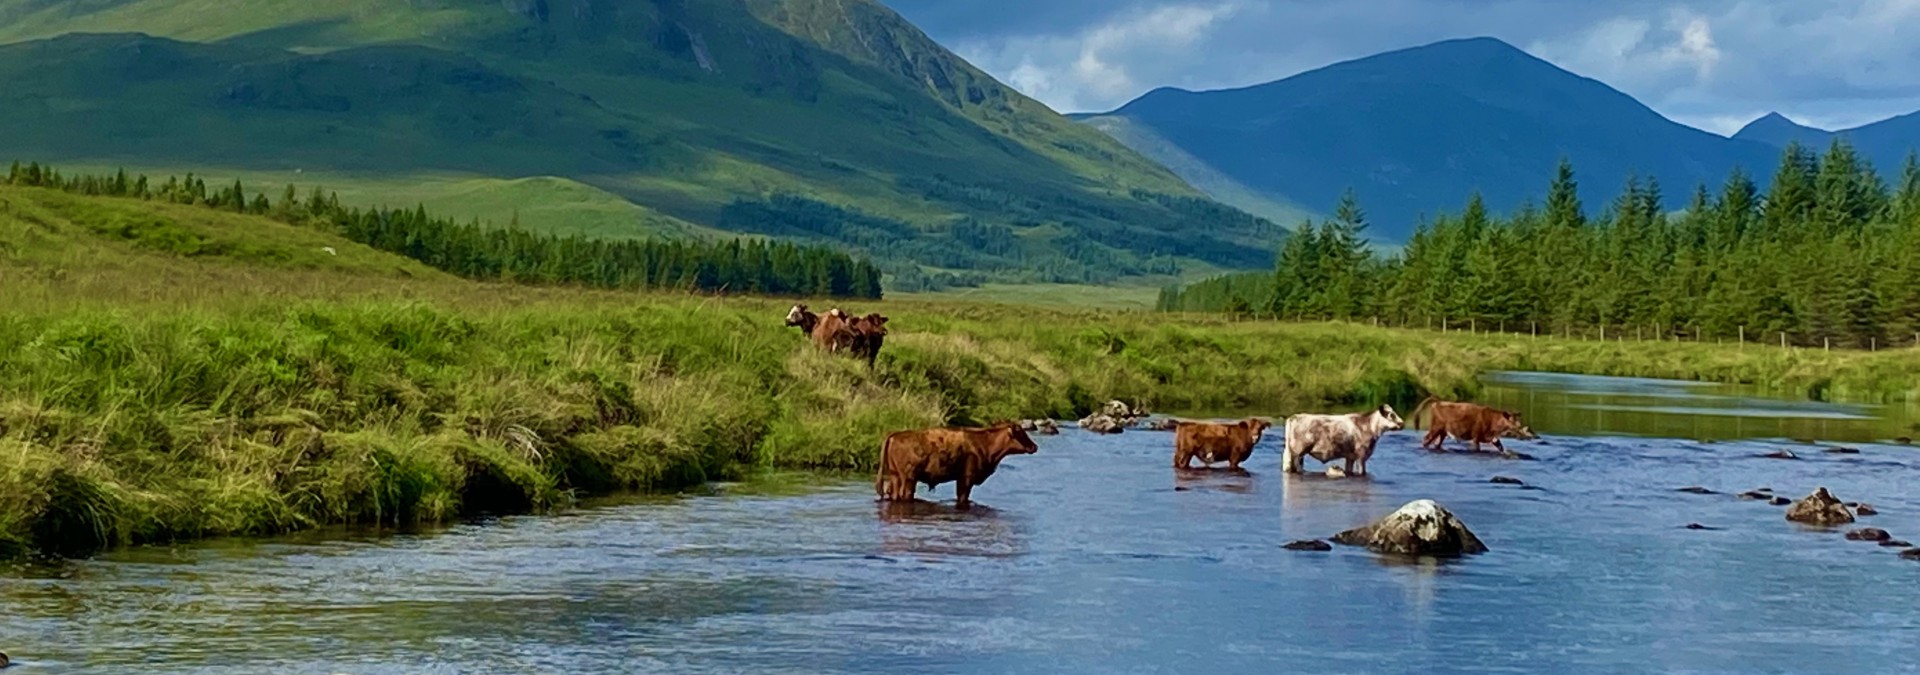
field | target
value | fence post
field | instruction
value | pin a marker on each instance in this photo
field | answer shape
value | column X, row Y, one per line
column 1826, row 344
column 1783, row 339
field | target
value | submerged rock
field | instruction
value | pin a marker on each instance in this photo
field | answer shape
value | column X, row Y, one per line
column 1756, row 495
column 1780, row 454
column 1042, row 427
column 1336, row 472
column 1697, row 526
column 1505, row 480
column 1897, row 543
column 1820, row 508
column 1101, row 424
column 1780, row 501
column 1696, row 490
column 1911, row 554
column 1869, row 534
column 1422, row 527
column 1308, row 545
column 1843, row 451
column 1866, row 510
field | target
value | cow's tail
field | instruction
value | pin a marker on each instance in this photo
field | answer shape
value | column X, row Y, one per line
column 880, row 486
column 1414, row 419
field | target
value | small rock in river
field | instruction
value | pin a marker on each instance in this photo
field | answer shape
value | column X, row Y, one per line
column 1911, row 554
column 1697, row 526
column 1843, row 451
column 1820, row 508
column 1866, row 510
column 1695, row 490
column 1336, row 472
column 1897, row 543
column 1781, row 501
column 1780, row 454
column 1763, row 489
column 1505, row 480
column 1309, row 545
column 1756, row 494
column 1869, row 534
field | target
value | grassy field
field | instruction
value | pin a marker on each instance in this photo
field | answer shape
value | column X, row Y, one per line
column 174, row 372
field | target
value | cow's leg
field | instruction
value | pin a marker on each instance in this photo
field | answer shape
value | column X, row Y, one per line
column 1436, row 440
column 1502, row 447
column 1351, row 463
column 963, row 492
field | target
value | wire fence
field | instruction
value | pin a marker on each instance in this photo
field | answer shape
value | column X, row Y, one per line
column 1742, row 336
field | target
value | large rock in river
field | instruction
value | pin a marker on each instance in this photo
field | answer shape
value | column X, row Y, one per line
column 1820, row 508
column 1419, row 528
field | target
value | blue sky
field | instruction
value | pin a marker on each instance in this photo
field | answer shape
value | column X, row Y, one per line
column 1715, row 64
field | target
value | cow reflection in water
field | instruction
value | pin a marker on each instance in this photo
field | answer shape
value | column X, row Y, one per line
column 1238, row 481
column 1313, row 490
column 920, row 528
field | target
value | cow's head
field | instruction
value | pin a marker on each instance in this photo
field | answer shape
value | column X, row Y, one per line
column 1257, row 426
column 797, row 316
column 1016, row 442
column 1388, row 419
column 1517, row 428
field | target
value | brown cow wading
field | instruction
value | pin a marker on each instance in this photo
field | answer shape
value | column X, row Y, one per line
column 965, row 457
column 1471, row 423
column 1210, row 443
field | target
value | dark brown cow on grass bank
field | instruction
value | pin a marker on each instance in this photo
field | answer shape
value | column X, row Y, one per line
column 965, row 457
column 869, row 333
column 800, row 318
column 1471, row 423
column 1210, row 443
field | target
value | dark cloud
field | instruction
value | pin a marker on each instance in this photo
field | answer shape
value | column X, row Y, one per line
column 1713, row 63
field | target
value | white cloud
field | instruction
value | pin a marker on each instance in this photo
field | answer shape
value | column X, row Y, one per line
column 1097, row 66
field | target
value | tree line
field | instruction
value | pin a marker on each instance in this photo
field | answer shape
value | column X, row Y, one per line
column 1828, row 253
column 511, row 254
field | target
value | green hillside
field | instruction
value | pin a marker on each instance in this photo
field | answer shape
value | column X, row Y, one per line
column 692, row 110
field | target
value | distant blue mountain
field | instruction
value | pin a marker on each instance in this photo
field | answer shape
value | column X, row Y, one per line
column 1415, row 131
column 1886, row 143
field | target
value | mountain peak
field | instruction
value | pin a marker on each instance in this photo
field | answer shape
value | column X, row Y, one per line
column 1778, row 130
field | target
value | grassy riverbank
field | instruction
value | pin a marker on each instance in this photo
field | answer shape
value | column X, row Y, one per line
column 267, row 388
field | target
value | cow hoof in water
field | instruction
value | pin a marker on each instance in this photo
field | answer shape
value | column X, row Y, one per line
column 1308, row 545
column 1697, row 526
column 1843, row 451
column 1869, row 534
column 1866, row 510
column 1897, row 543
column 1696, row 490
column 1505, row 480
column 1780, row 501
column 1820, row 508
column 1420, row 528
column 1780, row 454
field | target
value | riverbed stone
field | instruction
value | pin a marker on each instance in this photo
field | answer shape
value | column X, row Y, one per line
column 1843, row 451
column 1506, row 480
column 1697, row 526
column 1911, row 554
column 1866, row 510
column 1308, row 545
column 1422, row 527
column 1695, row 490
column 1869, row 534
column 1756, row 495
column 1820, row 508
column 1781, row 501
column 1162, row 424
column 1101, row 424
column 1336, row 472
column 1780, row 454
column 1897, row 543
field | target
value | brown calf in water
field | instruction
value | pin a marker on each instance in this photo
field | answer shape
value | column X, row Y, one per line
column 1469, row 422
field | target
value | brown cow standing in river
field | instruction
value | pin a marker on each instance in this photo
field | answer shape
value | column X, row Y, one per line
column 1209, row 443
column 1469, row 422
column 962, row 456
column 1345, row 437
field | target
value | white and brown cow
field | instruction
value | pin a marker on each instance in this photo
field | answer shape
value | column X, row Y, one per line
column 1344, row 437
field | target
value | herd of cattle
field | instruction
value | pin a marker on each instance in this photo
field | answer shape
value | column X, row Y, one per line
column 966, row 457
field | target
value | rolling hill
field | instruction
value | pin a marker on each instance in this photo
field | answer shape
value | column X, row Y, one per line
column 834, row 119
column 1415, row 131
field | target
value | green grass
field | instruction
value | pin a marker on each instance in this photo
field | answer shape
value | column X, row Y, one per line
column 176, row 373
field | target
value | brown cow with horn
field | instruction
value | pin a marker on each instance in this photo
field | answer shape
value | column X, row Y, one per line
column 1469, row 422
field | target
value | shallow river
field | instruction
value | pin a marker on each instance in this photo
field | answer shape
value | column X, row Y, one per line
column 1091, row 556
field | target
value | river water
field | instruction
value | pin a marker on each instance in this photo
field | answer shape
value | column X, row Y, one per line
column 1091, row 556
